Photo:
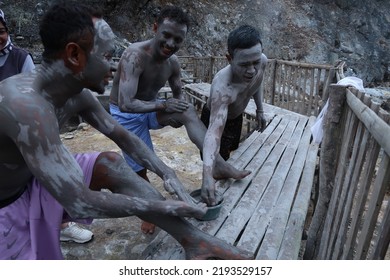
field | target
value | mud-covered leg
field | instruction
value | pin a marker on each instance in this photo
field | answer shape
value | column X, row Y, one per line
column 113, row 173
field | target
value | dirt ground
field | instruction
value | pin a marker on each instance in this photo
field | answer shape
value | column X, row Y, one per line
column 171, row 145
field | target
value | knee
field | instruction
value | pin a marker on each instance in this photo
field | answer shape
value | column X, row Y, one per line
column 109, row 157
column 191, row 112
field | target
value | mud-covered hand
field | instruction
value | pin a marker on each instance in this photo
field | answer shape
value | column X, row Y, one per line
column 208, row 194
column 174, row 105
column 261, row 121
column 174, row 187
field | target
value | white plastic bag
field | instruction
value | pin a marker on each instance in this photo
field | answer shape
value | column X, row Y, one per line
column 317, row 128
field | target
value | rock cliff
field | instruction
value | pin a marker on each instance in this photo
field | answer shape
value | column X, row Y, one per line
column 318, row 31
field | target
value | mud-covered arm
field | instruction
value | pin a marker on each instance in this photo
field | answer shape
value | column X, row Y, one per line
column 177, row 104
column 131, row 68
column 175, row 79
column 259, row 97
column 212, row 141
column 36, row 135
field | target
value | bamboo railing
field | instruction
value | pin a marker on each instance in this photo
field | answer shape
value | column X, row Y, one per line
column 352, row 215
column 298, row 87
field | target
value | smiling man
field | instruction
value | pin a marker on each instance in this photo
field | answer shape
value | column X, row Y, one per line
column 231, row 90
column 143, row 70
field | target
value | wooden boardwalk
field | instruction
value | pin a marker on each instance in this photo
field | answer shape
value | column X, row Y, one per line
column 265, row 212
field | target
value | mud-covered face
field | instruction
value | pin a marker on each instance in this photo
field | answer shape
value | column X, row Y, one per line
column 246, row 63
column 98, row 69
column 3, row 36
column 169, row 37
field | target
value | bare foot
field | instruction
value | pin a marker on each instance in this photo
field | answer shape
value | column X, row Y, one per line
column 214, row 248
column 147, row 227
column 226, row 171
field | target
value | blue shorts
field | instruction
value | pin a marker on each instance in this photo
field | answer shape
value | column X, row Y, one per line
column 139, row 124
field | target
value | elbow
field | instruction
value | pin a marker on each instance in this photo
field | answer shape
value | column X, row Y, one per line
column 124, row 108
column 79, row 209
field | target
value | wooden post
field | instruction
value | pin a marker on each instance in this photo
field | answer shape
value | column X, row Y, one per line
column 273, row 85
column 211, row 69
column 328, row 165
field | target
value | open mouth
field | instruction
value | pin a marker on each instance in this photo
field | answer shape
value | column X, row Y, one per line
column 167, row 51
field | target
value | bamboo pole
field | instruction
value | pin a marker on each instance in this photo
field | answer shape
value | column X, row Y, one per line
column 328, row 163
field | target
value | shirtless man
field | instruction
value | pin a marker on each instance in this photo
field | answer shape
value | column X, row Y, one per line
column 39, row 178
column 231, row 90
column 143, row 70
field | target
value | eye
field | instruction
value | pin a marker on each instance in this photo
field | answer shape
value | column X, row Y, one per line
column 108, row 55
column 178, row 40
column 257, row 62
column 167, row 35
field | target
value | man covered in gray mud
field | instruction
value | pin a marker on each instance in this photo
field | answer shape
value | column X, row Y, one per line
column 231, row 90
column 40, row 180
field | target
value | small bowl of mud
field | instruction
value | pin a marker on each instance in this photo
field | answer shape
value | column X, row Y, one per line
column 212, row 211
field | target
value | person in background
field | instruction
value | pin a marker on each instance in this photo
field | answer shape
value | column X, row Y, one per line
column 231, row 90
column 15, row 60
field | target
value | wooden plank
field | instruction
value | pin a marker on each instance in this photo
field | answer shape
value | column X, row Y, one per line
column 241, row 213
column 380, row 186
column 257, row 224
column 290, row 246
column 275, row 233
column 312, row 105
column 163, row 247
column 347, row 193
column 305, row 64
column 305, row 97
column 381, row 247
column 360, row 198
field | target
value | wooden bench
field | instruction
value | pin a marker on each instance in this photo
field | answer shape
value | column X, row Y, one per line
column 198, row 93
column 265, row 212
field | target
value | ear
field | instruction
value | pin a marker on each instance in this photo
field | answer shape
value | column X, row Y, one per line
column 229, row 58
column 74, row 57
column 155, row 26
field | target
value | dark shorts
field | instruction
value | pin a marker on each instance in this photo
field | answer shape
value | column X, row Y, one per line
column 231, row 134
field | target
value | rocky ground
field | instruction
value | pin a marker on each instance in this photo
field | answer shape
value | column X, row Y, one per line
column 122, row 238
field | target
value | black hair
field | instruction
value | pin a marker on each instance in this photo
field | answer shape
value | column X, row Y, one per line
column 175, row 14
column 3, row 21
column 64, row 22
column 243, row 37
column 96, row 11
